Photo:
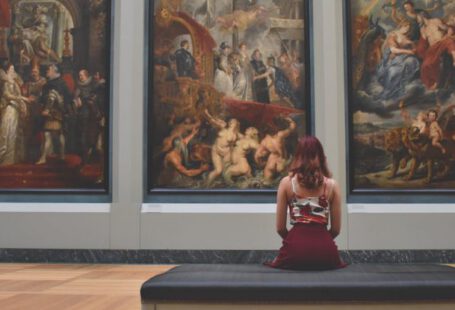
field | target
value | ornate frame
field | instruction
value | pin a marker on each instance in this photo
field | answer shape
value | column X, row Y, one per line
column 376, row 195
column 73, row 195
column 212, row 195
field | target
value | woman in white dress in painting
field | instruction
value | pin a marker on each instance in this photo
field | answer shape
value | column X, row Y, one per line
column 242, row 74
column 223, row 81
column 13, row 110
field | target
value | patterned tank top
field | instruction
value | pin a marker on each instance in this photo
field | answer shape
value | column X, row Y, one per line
column 310, row 209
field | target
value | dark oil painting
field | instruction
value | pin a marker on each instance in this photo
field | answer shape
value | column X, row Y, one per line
column 54, row 95
column 401, row 94
column 229, row 92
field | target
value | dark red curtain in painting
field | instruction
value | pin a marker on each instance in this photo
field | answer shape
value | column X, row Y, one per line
column 257, row 113
column 5, row 13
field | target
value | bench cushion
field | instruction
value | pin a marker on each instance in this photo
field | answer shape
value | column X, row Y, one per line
column 358, row 282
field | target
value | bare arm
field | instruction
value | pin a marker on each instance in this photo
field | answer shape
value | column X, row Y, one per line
column 216, row 122
column 188, row 138
column 292, row 126
column 281, row 208
column 335, row 211
column 177, row 164
column 395, row 16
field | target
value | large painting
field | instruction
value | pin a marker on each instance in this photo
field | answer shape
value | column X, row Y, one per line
column 54, row 96
column 401, row 83
column 229, row 93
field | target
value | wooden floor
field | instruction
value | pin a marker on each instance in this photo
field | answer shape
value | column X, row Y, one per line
column 64, row 286
column 52, row 286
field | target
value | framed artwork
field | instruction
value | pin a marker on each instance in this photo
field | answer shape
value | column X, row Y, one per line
column 55, row 99
column 400, row 58
column 229, row 93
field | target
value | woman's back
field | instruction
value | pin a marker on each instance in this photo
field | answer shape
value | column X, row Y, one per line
column 306, row 206
column 313, row 201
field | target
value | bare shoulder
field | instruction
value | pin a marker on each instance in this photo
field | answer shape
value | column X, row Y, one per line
column 333, row 185
column 285, row 181
column 284, row 189
column 332, row 181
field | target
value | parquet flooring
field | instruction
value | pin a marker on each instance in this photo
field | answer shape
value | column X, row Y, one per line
column 72, row 286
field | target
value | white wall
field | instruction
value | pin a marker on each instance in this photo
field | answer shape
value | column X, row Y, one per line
column 121, row 225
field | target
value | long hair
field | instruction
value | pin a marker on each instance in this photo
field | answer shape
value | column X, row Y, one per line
column 304, row 165
column 403, row 24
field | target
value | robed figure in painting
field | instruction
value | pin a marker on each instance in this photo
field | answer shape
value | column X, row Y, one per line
column 53, row 127
column 399, row 64
column 185, row 61
column 260, row 87
column 402, row 94
column 13, row 109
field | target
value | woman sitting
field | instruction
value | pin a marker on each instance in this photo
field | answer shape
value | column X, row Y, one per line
column 313, row 199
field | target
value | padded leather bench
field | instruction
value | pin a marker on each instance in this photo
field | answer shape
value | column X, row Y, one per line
column 358, row 286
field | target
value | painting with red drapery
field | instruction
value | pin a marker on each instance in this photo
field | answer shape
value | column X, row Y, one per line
column 229, row 93
column 54, row 97
column 401, row 92
column 5, row 13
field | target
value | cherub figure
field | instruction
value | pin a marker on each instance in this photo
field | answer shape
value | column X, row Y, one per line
column 435, row 131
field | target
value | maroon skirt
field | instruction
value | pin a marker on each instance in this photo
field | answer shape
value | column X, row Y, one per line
column 308, row 247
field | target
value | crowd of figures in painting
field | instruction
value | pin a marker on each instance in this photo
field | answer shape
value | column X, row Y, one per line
column 402, row 93
column 228, row 92
column 53, row 93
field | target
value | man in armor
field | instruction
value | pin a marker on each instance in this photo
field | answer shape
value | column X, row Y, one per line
column 55, row 112
column 53, row 126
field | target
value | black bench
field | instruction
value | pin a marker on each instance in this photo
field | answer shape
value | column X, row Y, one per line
column 359, row 285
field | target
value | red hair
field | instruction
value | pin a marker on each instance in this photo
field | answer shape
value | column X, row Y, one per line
column 310, row 173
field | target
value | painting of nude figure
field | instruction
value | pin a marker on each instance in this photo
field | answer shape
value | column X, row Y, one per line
column 54, row 96
column 229, row 93
column 401, row 81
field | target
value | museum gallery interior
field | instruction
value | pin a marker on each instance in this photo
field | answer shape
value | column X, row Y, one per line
column 227, row 154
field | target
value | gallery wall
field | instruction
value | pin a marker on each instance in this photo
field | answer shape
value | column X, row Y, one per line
column 127, row 223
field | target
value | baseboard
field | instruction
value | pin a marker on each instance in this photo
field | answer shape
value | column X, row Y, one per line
column 209, row 256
